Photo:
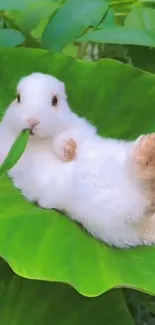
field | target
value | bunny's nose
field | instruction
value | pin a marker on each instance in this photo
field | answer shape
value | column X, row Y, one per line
column 33, row 122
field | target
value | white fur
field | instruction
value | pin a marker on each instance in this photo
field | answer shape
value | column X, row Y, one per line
column 97, row 189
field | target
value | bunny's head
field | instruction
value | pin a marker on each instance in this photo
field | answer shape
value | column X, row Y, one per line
column 41, row 106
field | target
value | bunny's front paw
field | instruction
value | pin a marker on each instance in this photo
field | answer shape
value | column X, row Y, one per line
column 144, row 156
column 69, row 150
column 65, row 149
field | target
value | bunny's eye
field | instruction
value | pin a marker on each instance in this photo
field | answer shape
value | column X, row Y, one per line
column 54, row 100
column 18, row 98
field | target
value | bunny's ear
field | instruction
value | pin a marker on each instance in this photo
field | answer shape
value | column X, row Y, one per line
column 63, row 88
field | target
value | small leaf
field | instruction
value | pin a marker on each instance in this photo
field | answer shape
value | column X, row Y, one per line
column 10, row 38
column 71, row 20
column 15, row 152
column 34, row 13
column 119, row 35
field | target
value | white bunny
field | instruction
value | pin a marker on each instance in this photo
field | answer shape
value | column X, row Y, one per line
column 107, row 185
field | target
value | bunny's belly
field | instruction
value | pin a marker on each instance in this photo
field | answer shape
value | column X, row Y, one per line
column 104, row 199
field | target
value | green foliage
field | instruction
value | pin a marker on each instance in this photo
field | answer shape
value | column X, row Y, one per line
column 44, row 244
column 54, row 25
column 138, row 29
column 71, row 20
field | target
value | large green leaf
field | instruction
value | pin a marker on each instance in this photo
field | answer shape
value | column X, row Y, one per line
column 41, row 244
column 71, row 20
column 34, row 302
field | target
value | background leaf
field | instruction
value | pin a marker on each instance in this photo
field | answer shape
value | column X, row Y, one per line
column 46, row 245
column 120, row 35
column 10, row 37
column 35, row 13
column 141, row 18
column 17, row 5
column 71, row 20
column 35, row 302
column 143, row 58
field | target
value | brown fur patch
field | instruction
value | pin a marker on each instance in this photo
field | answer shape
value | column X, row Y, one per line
column 70, row 150
column 146, row 229
column 144, row 164
column 144, row 156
